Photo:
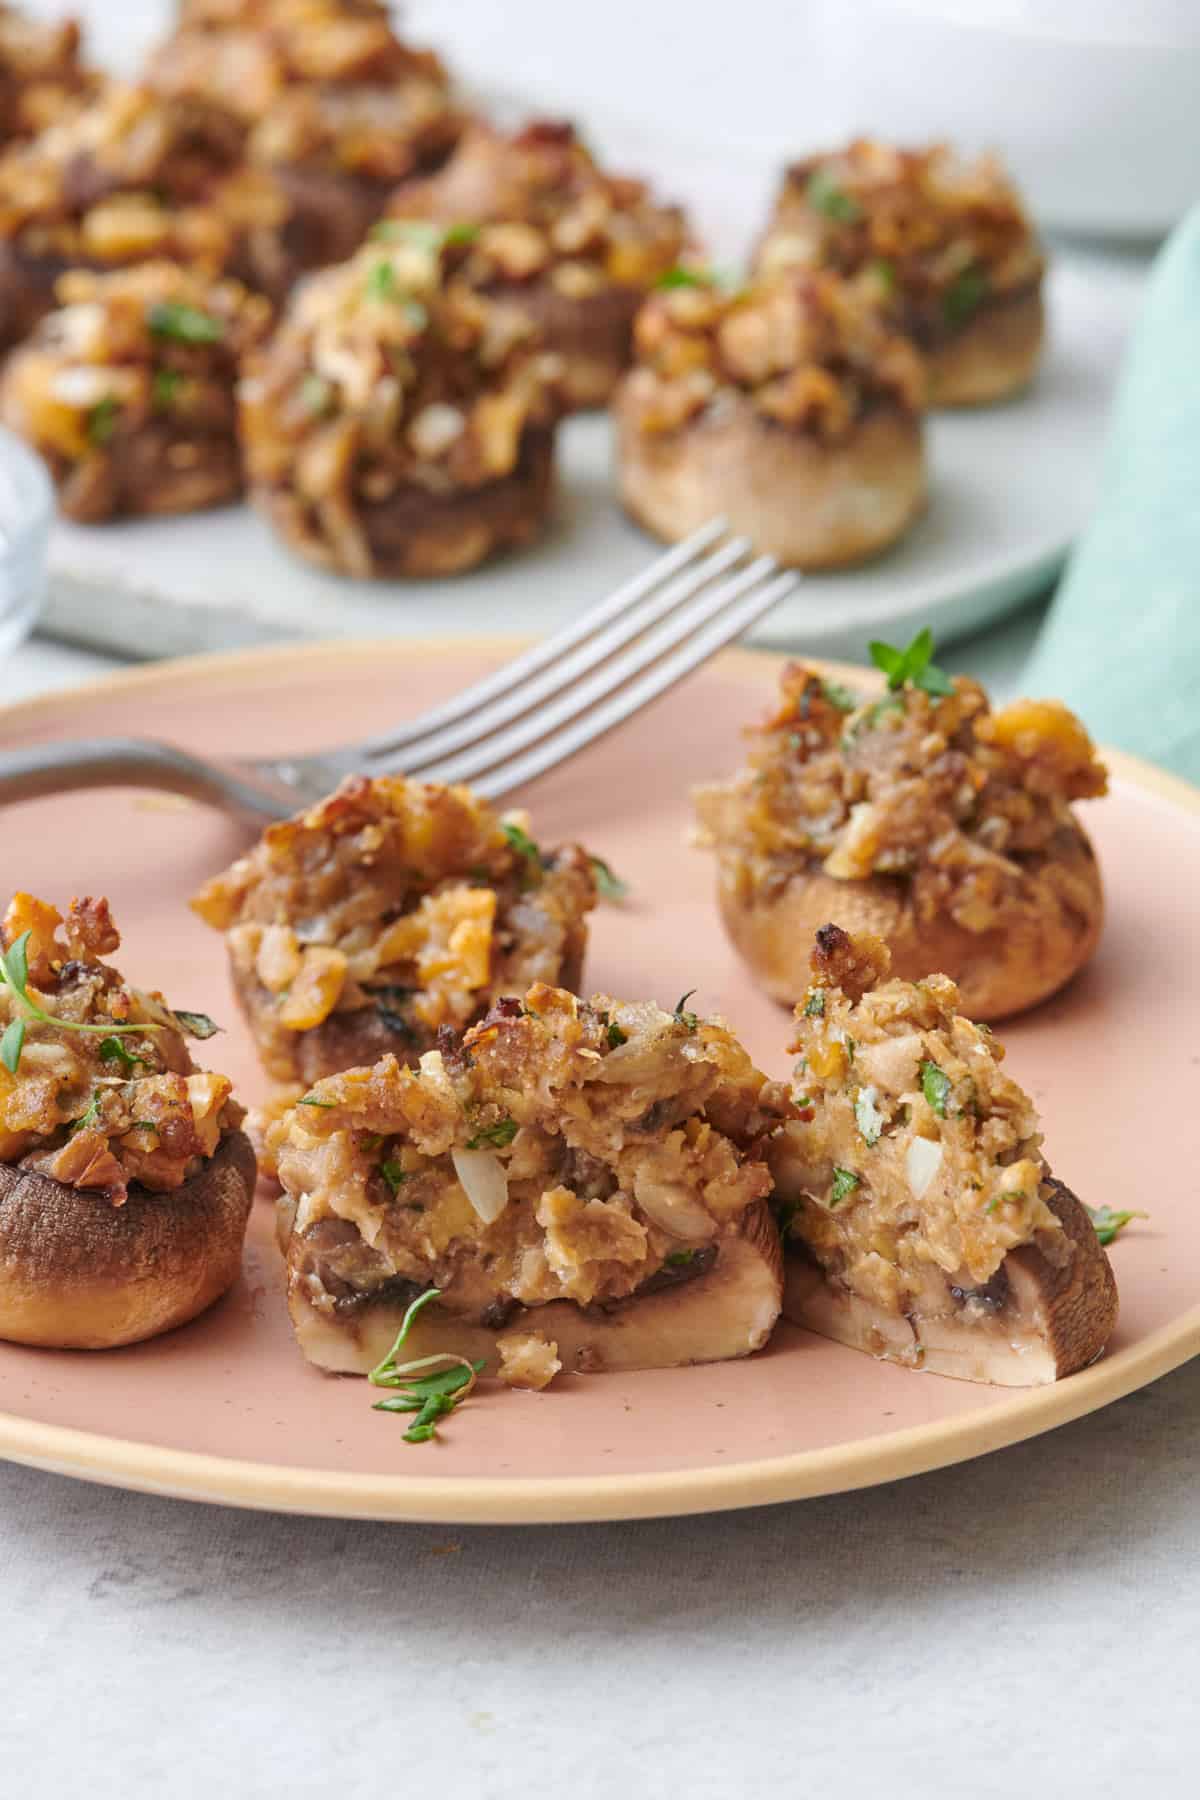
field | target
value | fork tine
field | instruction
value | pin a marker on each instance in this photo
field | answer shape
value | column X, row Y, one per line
column 576, row 664
column 724, row 629
column 540, row 656
column 607, row 679
column 712, row 604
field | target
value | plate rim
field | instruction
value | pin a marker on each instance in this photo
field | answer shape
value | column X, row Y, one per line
column 522, row 1500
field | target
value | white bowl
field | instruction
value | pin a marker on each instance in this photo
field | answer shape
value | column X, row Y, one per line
column 1093, row 104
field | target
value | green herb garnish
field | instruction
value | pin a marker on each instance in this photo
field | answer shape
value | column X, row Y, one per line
column 844, row 1182
column 814, row 1006
column 1110, row 1223
column 325, row 1105
column 500, row 1134
column 690, row 1019
column 964, row 296
column 164, row 385
column 681, row 277
column 113, row 1050
column 825, row 196
column 839, row 696
column 186, row 324
column 394, row 1175
column 912, row 667
column 87, row 1119
column 608, row 885
column 867, row 1116
column 616, row 1037
column 885, row 273
column 935, row 1085
column 520, row 842
column 381, row 282
column 14, row 969
column 431, row 1396
column 102, row 420
column 679, row 1259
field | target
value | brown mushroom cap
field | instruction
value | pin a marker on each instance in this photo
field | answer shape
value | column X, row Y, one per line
column 77, row 1273
column 994, row 355
column 998, row 972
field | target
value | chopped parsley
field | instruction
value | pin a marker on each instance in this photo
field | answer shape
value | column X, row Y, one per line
column 164, row 386
column 102, row 420
column 690, row 1019
column 679, row 1259
column 87, row 1119
column 500, row 1134
column 884, row 273
column 381, row 282
column 913, row 666
column 681, row 277
column 814, row 1006
column 935, row 1085
column 430, row 1395
column 520, row 842
column 839, row 696
column 616, row 1037
column 186, row 324
column 308, row 1100
column 608, row 885
column 1110, row 1223
column 393, row 1174
column 113, row 1050
column 825, row 196
column 964, row 296
column 844, row 1182
column 867, row 1116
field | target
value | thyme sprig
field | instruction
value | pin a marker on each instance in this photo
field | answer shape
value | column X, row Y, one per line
column 432, row 1395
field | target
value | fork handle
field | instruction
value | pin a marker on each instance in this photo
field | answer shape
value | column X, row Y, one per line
column 33, row 772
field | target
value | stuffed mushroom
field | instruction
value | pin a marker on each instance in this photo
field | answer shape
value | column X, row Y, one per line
column 338, row 111
column 790, row 408
column 400, row 422
column 132, row 178
column 920, row 1219
column 576, row 247
column 582, row 1182
column 125, row 1180
column 924, row 816
column 942, row 243
column 390, row 911
column 42, row 74
column 128, row 389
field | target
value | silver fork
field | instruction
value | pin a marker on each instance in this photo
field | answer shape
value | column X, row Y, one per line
column 542, row 707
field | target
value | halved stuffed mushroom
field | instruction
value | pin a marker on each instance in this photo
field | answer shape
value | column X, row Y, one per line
column 584, row 1184
column 941, row 242
column 920, row 1219
column 128, row 389
column 338, row 109
column 923, row 816
column 400, row 422
column 576, row 247
column 392, row 910
column 789, row 408
column 125, row 1180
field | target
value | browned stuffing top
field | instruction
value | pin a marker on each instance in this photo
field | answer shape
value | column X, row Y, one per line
column 392, row 369
column 319, row 82
column 41, row 75
column 915, row 1156
column 807, row 351
column 939, row 789
column 930, row 235
column 396, row 896
column 131, row 177
column 544, row 210
column 563, row 1150
column 103, row 1106
column 153, row 344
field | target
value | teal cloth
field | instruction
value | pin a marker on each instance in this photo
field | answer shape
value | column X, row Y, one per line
column 1121, row 643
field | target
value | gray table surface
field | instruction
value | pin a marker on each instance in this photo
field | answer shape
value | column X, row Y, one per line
column 1030, row 1616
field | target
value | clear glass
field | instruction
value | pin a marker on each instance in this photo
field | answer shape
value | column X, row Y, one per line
column 26, row 512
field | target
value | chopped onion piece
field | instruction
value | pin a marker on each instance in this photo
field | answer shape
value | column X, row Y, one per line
column 484, row 1181
column 922, row 1162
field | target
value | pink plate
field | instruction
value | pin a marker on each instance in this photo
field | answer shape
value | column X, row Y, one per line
column 226, row 1409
